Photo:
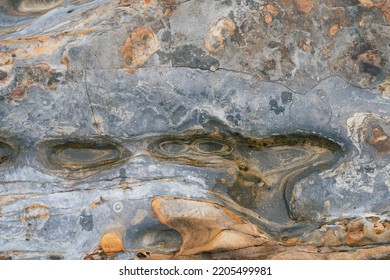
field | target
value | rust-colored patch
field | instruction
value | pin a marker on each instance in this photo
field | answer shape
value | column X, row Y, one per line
column 379, row 228
column 379, row 139
column 39, row 75
column 35, row 211
column 218, row 33
column 355, row 232
column 29, row 49
column 303, row 46
column 268, row 19
column 111, row 243
column 95, row 204
column 384, row 6
column 139, row 46
column 65, row 60
column 367, row 3
column 371, row 56
column 334, row 29
column 271, row 9
column 17, row 94
column 305, row 6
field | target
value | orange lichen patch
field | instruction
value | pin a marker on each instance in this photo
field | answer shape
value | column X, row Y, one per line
column 305, row 6
column 218, row 33
column 268, row 19
column 111, row 243
column 384, row 6
column 271, row 9
column 303, row 46
column 206, row 226
column 17, row 94
column 367, row 3
column 139, row 46
column 379, row 139
column 333, row 30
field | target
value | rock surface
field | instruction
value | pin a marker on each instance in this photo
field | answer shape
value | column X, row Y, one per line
column 129, row 127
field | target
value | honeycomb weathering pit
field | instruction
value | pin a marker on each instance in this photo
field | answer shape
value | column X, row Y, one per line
column 194, row 129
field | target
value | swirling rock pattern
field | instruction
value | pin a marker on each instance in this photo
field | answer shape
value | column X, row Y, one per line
column 128, row 128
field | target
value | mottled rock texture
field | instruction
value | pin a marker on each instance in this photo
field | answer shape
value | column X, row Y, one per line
column 183, row 129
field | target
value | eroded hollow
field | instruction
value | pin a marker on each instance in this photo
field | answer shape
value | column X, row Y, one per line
column 198, row 149
column 266, row 169
column 6, row 153
column 80, row 158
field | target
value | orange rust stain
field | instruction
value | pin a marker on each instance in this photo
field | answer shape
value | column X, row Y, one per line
column 303, row 46
column 371, row 56
column 305, row 6
column 111, row 243
column 268, row 19
column 32, row 46
column 139, row 46
column 355, row 232
column 218, row 33
column 272, row 10
column 384, row 6
column 367, row 3
column 17, row 94
column 333, row 30
column 379, row 228
column 65, row 60
column 95, row 204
